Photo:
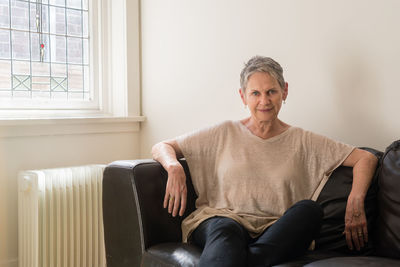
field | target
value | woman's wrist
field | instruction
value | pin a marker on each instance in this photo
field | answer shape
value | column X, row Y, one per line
column 173, row 167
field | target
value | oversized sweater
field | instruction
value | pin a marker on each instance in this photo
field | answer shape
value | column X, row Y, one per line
column 239, row 175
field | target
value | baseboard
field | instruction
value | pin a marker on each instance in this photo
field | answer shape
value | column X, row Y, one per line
column 9, row 263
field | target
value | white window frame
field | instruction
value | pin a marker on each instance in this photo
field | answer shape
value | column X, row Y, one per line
column 116, row 93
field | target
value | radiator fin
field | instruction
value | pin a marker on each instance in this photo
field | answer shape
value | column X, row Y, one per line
column 61, row 218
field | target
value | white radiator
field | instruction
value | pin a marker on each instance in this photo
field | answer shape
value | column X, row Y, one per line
column 60, row 217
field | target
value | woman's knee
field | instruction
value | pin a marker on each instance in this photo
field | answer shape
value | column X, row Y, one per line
column 310, row 207
column 223, row 226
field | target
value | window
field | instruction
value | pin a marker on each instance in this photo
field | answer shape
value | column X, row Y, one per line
column 69, row 58
column 44, row 51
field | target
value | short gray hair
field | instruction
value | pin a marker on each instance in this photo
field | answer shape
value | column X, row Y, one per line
column 261, row 64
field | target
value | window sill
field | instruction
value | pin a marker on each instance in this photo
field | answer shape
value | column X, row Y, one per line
column 68, row 126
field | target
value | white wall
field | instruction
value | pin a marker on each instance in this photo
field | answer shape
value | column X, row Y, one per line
column 38, row 152
column 341, row 59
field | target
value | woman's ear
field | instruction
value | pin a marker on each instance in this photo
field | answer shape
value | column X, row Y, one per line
column 242, row 96
column 285, row 91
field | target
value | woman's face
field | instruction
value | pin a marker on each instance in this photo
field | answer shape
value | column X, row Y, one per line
column 264, row 96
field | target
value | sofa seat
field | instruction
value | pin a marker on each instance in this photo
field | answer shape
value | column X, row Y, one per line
column 355, row 261
column 187, row 255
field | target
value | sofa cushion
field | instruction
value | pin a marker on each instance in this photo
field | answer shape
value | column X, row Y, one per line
column 333, row 199
column 388, row 223
column 355, row 261
column 171, row 254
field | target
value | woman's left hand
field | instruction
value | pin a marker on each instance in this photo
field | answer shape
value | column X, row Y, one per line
column 356, row 230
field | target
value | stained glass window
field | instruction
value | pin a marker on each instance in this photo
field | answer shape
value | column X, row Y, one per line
column 44, row 49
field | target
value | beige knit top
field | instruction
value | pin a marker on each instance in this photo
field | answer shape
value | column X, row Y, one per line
column 239, row 175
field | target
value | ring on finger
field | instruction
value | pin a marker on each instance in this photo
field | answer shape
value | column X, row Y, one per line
column 171, row 197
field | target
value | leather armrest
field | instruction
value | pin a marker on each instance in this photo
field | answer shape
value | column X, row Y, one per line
column 133, row 213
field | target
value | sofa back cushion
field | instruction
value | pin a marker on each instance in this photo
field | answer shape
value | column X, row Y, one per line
column 333, row 199
column 388, row 222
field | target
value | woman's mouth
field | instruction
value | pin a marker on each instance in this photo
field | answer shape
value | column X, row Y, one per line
column 265, row 109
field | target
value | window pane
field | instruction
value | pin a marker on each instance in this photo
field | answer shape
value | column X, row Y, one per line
column 5, row 74
column 59, row 95
column 74, row 50
column 21, row 67
column 40, row 69
column 57, row 2
column 19, row 15
column 85, row 4
column 86, row 78
column 4, row 14
column 85, row 24
column 74, row 4
column 58, row 70
column 58, row 49
column 58, row 84
column 20, row 45
column 44, row 19
column 4, row 44
column 85, row 51
column 43, row 1
column 21, row 82
column 36, row 41
column 57, row 20
column 41, row 94
column 40, row 85
column 21, row 94
column 74, row 22
column 75, row 78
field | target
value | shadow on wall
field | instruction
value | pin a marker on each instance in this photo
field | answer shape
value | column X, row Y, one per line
column 358, row 94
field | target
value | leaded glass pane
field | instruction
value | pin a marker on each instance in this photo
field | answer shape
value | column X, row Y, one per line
column 74, row 50
column 57, row 2
column 85, row 4
column 39, row 94
column 58, row 49
column 37, row 24
column 21, row 94
column 21, row 82
column 20, row 45
column 5, row 44
column 74, row 22
column 21, row 67
column 57, row 20
column 5, row 74
column 4, row 14
column 86, row 79
column 36, row 41
column 40, row 69
column 85, row 51
column 40, row 84
column 58, row 70
column 19, row 15
column 85, row 24
column 74, row 4
column 59, row 95
column 75, row 78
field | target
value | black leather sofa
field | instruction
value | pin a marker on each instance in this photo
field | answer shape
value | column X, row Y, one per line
column 139, row 232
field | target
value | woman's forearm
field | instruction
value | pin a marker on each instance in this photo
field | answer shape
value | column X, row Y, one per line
column 363, row 172
column 165, row 154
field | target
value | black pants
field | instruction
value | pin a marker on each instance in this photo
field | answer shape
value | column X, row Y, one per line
column 226, row 243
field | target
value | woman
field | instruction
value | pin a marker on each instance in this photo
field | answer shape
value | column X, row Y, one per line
column 257, row 179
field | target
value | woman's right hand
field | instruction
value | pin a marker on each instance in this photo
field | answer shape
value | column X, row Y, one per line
column 176, row 190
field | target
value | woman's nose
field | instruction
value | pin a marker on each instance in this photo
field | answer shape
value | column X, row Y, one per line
column 265, row 99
